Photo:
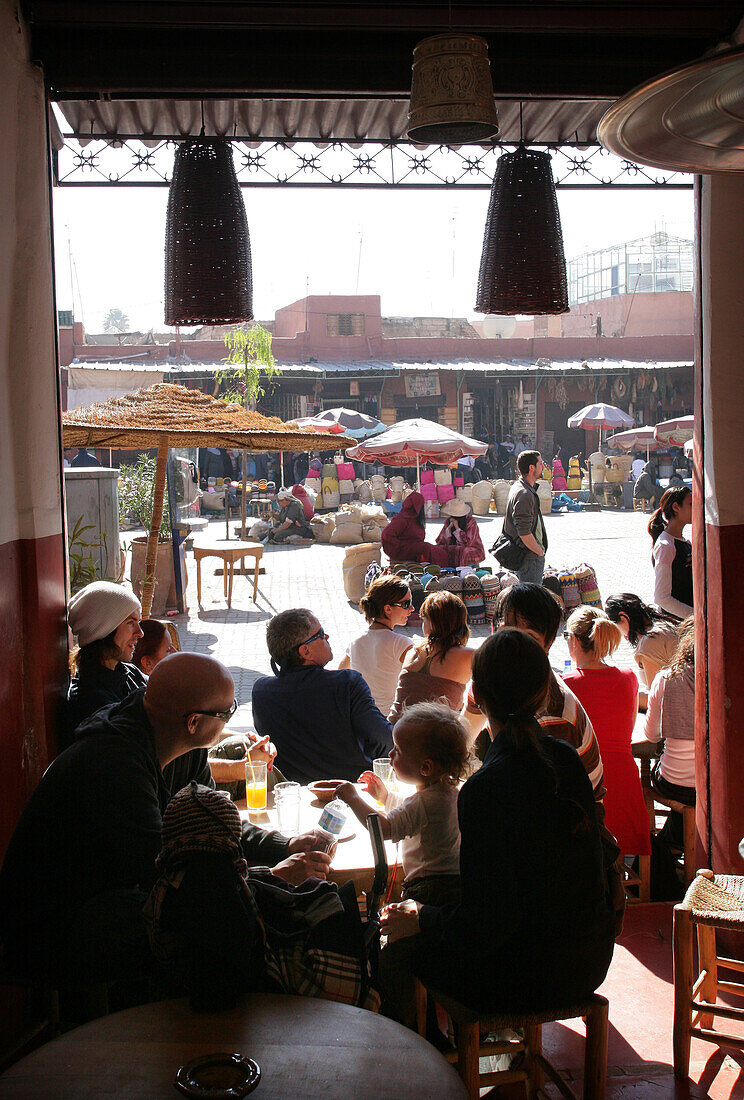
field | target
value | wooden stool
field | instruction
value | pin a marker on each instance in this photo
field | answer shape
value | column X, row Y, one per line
column 640, row 504
column 712, row 901
column 470, row 1025
column 688, row 826
column 636, row 880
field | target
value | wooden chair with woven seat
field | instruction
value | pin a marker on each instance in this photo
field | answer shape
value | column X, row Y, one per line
column 642, row 505
column 468, row 1026
column 712, row 901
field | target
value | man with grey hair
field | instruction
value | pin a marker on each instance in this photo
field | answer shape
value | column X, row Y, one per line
column 324, row 723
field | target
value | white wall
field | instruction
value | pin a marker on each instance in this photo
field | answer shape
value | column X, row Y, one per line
column 30, row 498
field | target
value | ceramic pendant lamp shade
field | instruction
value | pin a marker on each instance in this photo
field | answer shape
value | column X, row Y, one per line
column 208, row 277
column 523, row 266
column 451, row 92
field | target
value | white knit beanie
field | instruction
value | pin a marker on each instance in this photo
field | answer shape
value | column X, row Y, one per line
column 96, row 610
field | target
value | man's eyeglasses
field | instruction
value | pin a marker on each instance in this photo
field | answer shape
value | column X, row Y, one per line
column 224, row 715
column 405, row 603
column 320, row 634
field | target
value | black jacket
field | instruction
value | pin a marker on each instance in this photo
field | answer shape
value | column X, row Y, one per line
column 97, row 687
column 534, row 928
column 93, row 827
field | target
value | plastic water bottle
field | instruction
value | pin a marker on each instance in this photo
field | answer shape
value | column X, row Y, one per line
column 566, row 666
column 332, row 821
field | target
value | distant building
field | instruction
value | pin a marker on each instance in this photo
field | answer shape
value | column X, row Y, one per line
column 650, row 265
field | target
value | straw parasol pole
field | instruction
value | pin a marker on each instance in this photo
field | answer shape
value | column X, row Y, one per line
column 165, row 416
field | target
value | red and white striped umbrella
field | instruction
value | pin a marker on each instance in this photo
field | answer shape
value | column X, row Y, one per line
column 634, row 439
column 600, row 417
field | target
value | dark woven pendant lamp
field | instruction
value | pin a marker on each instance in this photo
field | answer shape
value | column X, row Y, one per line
column 451, row 91
column 208, row 277
column 523, row 266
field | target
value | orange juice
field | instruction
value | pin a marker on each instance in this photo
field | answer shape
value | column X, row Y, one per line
column 255, row 795
column 255, row 785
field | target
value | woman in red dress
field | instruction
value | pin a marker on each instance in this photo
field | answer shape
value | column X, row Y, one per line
column 609, row 696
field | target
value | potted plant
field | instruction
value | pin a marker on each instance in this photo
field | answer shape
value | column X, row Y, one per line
column 136, row 492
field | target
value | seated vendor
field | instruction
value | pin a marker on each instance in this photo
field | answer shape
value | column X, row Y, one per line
column 292, row 519
column 404, row 538
column 82, row 858
column 460, row 535
column 324, row 723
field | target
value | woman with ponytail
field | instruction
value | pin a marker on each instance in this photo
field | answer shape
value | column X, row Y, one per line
column 535, row 928
column 609, row 696
column 672, row 554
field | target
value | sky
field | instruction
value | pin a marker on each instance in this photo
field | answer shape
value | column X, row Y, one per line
column 419, row 251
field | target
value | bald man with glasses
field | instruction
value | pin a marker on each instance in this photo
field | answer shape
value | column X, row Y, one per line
column 82, row 858
column 324, row 722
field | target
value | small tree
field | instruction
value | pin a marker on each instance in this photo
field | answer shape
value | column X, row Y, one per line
column 248, row 356
column 137, row 495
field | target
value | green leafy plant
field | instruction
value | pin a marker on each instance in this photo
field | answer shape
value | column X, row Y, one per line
column 136, row 495
column 248, row 362
column 83, row 568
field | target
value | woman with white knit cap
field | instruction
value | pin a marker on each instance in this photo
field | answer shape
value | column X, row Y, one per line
column 105, row 619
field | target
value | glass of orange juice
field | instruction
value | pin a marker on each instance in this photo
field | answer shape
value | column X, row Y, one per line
column 255, row 786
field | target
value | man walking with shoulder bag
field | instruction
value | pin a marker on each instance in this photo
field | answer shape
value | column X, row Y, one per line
column 524, row 540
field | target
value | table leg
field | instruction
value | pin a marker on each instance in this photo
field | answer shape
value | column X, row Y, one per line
column 198, row 560
column 255, row 576
column 230, row 582
column 224, row 576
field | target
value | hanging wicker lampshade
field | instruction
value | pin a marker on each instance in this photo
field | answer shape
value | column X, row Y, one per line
column 208, row 278
column 523, row 266
column 451, row 92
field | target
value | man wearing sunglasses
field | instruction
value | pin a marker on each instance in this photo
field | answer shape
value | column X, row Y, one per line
column 324, row 723
column 82, row 858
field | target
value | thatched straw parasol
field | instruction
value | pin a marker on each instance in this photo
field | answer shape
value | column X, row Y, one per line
column 166, row 416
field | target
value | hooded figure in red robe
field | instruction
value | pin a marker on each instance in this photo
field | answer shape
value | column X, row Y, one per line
column 460, row 535
column 404, row 538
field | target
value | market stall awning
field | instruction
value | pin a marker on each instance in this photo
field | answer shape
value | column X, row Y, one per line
column 676, row 432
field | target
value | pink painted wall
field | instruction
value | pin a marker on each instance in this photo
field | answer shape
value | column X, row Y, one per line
column 634, row 315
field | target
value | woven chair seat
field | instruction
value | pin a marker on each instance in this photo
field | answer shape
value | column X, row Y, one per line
column 498, row 1021
column 718, row 900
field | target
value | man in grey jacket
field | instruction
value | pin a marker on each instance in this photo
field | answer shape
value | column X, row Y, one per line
column 523, row 521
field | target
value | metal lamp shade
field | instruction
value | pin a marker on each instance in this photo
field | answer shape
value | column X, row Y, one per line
column 451, row 92
column 523, row 266
column 208, row 278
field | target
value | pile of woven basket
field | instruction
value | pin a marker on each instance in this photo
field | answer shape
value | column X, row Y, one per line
column 578, row 586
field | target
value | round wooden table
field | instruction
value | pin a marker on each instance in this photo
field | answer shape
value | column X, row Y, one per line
column 305, row 1048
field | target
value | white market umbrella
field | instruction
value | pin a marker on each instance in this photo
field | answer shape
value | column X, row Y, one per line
column 596, row 417
column 689, row 448
column 415, row 441
column 676, row 432
column 634, row 439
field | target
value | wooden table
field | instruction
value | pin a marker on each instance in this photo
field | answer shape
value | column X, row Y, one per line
column 353, row 860
column 305, row 1048
column 230, row 551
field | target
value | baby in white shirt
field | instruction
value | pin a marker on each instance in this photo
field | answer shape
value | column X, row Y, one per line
column 430, row 750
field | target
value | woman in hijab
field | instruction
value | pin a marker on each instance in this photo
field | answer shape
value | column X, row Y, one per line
column 460, row 535
column 404, row 538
